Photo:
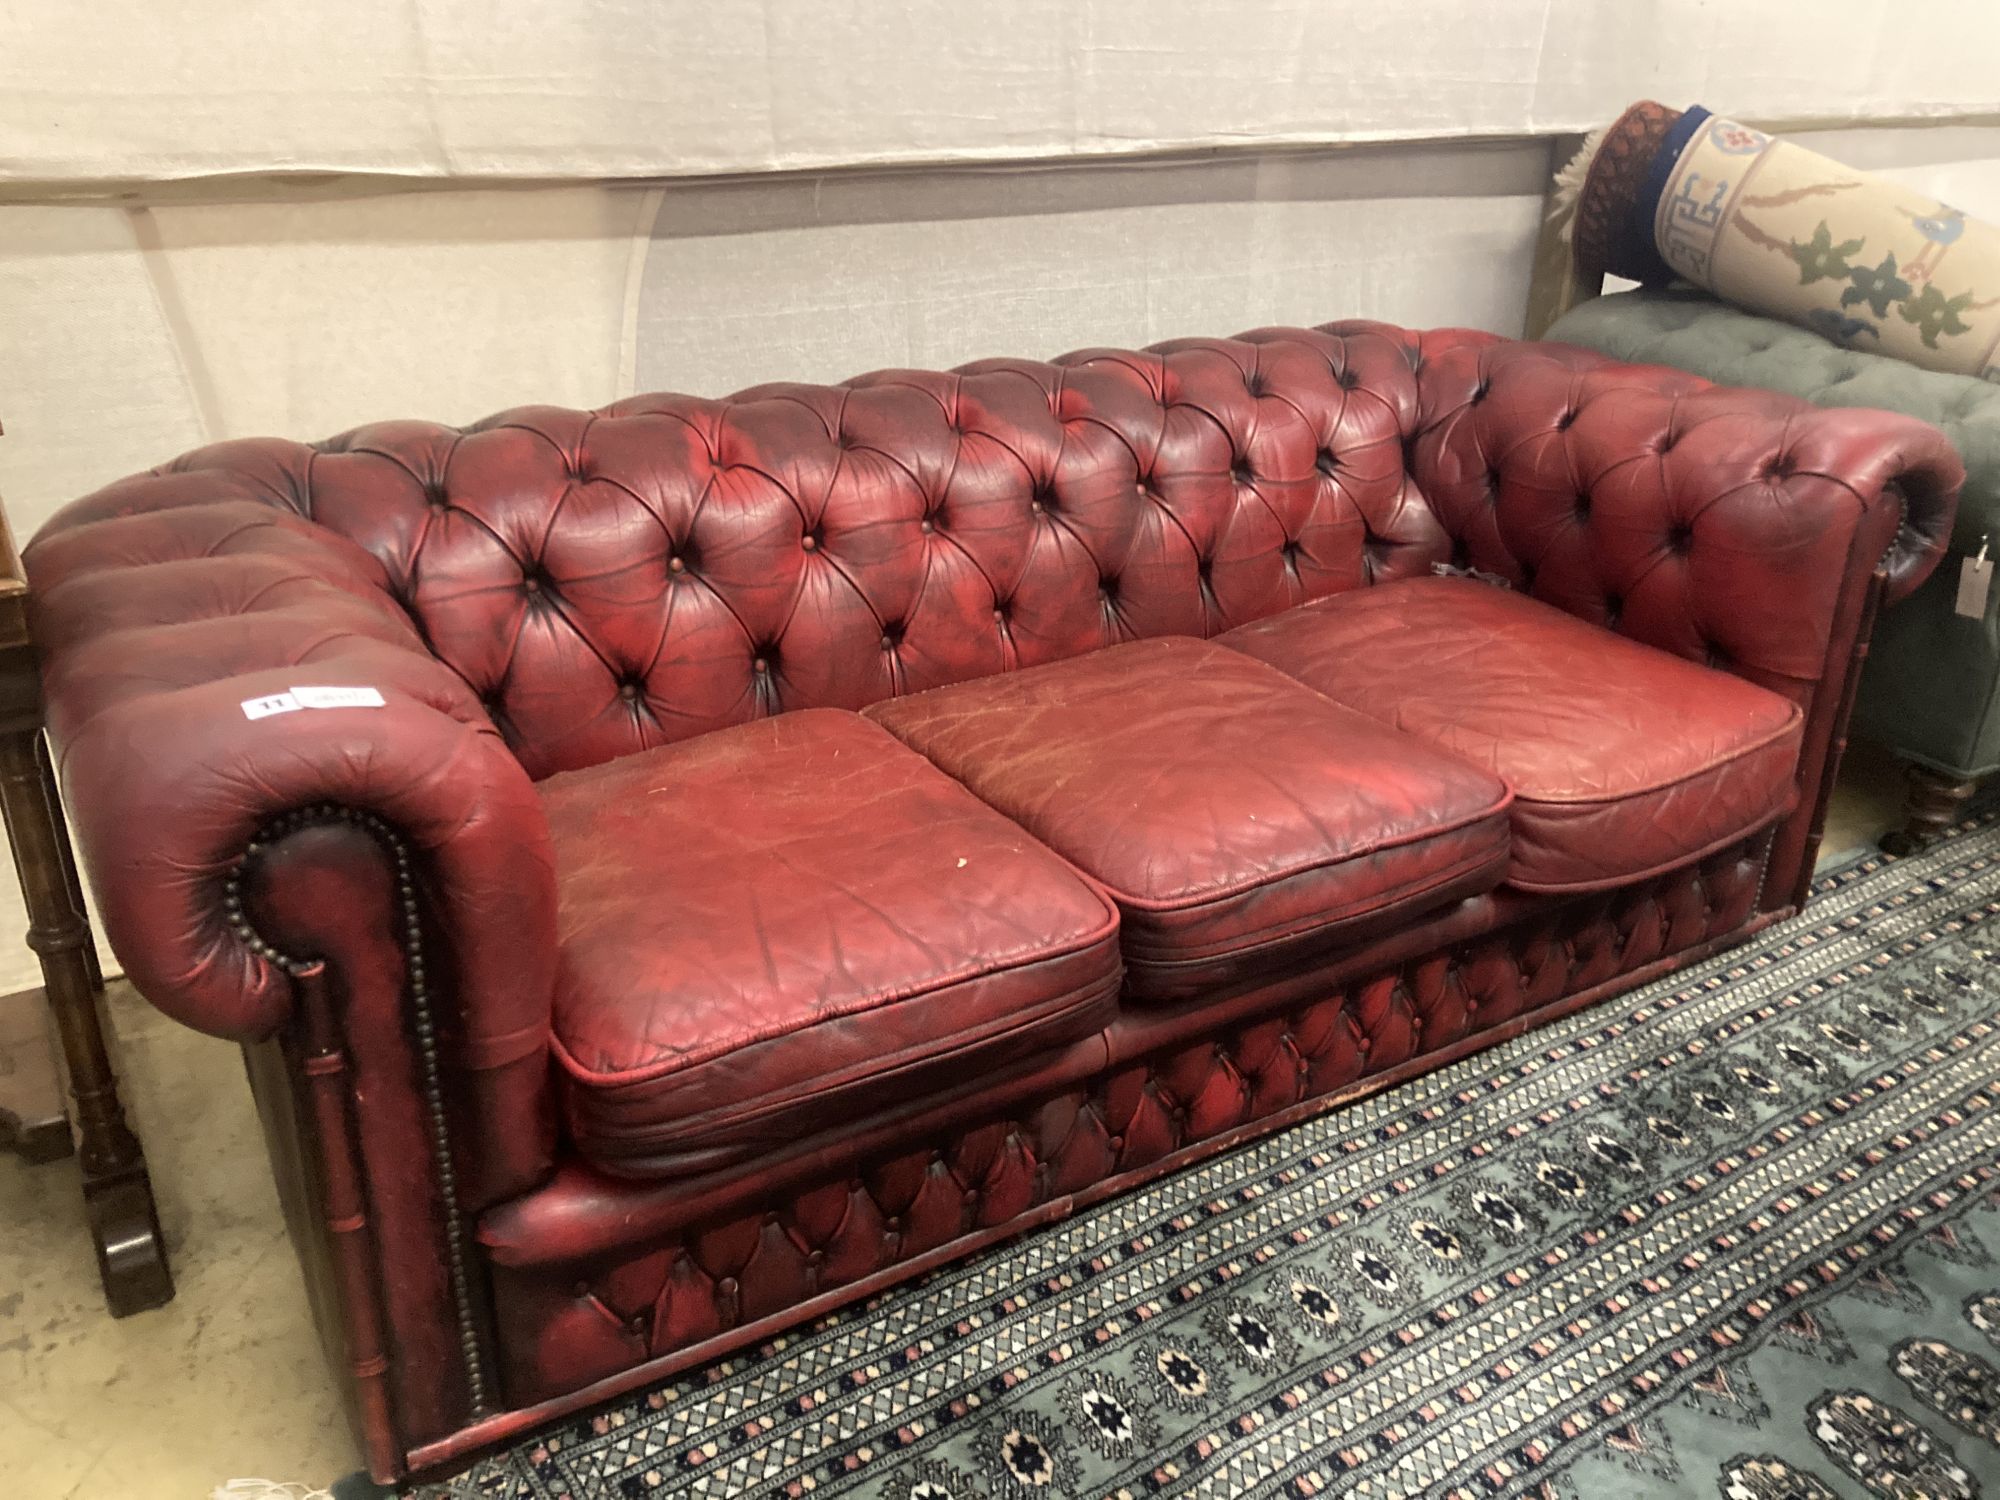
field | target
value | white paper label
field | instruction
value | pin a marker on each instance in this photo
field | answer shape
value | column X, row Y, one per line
column 312, row 697
column 274, row 703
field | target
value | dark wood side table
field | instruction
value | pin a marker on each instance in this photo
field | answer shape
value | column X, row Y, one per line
column 117, row 1193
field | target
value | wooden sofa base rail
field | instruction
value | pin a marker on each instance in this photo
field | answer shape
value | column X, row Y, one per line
column 572, row 1335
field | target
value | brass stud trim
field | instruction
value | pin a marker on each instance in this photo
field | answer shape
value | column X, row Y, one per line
column 423, row 1025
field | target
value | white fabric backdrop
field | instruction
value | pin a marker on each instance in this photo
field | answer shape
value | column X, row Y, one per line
column 589, row 89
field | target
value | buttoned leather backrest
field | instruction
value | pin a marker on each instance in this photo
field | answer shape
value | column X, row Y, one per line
column 611, row 581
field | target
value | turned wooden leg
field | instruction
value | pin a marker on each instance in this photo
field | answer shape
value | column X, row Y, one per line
column 66, row 857
column 117, row 1194
column 1933, row 804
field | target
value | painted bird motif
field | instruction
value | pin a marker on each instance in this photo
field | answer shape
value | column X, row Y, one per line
column 1941, row 231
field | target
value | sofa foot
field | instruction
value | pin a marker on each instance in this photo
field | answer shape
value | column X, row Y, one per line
column 1932, row 805
column 358, row 1486
column 33, row 1125
column 42, row 1138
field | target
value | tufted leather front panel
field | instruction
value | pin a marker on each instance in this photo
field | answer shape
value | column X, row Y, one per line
column 565, row 1323
column 1243, row 823
column 792, row 924
column 1623, row 760
column 1714, row 523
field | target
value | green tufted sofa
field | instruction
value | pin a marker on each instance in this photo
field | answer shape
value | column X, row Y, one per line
column 1931, row 689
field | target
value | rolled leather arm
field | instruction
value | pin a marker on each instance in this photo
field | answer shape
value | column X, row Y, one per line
column 1722, row 524
column 1732, row 347
column 161, row 606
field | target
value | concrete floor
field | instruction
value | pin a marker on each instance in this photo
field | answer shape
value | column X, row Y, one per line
column 226, row 1381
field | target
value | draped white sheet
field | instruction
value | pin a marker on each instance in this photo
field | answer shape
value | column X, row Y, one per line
column 589, row 89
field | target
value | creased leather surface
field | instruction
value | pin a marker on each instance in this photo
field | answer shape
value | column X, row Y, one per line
column 791, row 923
column 1237, row 818
column 1623, row 760
column 566, row 1320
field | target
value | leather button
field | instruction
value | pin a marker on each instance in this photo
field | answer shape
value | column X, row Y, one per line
column 761, row 667
column 809, row 542
column 727, row 1287
column 972, row 1197
column 628, row 691
column 927, row 526
column 888, row 643
column 676, row 565
column 531, row 585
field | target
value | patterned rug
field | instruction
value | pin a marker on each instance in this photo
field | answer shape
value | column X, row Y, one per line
column 1733, row 1235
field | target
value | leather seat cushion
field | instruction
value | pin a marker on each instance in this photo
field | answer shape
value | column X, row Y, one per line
column 1624, row 760
column 1239, row 820
column 796, row 922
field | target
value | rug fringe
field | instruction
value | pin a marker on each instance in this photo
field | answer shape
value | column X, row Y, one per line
column 1569, row 184
column 267, row 1489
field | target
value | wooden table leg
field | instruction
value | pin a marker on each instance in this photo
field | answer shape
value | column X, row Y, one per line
column 117, row 1194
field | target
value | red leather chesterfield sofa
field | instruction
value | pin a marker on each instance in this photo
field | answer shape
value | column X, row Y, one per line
column 810, row 835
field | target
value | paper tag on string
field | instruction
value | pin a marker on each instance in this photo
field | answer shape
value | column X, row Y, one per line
column 1975, row 582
